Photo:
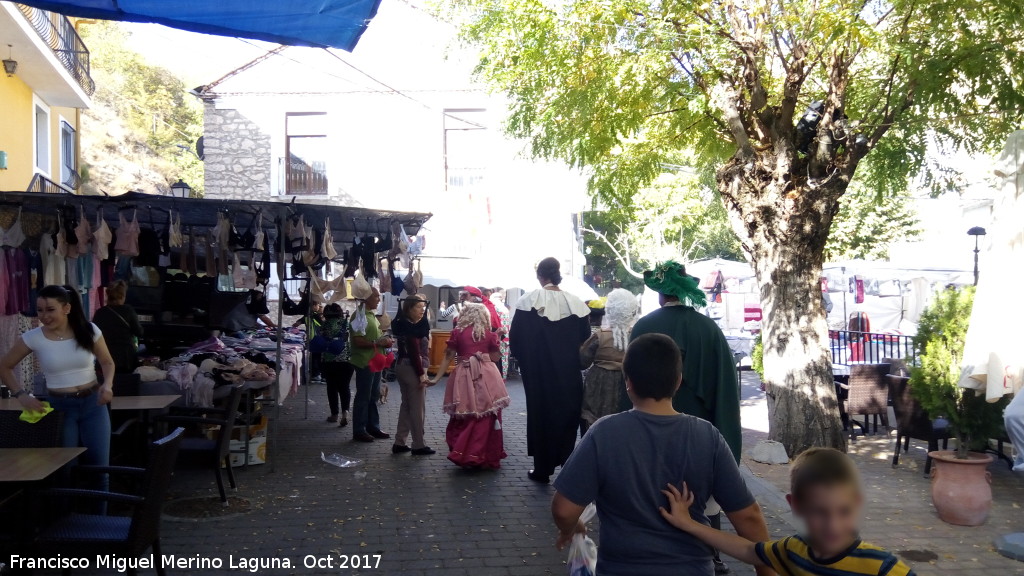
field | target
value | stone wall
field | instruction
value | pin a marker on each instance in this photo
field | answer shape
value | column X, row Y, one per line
column 237, row 156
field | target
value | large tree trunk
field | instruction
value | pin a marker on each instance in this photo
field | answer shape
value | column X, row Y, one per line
column 803, row 409
column 783, row 226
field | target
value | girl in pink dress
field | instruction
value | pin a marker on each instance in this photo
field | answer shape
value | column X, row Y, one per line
column 475, row 393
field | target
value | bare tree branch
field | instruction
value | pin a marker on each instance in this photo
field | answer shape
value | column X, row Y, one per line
column 624, row 260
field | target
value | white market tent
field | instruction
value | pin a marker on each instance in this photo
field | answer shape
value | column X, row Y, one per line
column 895, row 293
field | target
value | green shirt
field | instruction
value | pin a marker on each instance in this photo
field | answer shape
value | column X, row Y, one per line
column 710, row 390
column 360, row 357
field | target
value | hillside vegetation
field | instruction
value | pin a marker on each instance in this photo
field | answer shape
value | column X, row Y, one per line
column 141, row 131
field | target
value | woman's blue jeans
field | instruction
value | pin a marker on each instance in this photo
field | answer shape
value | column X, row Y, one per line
column 365, row 417
column 88, row 425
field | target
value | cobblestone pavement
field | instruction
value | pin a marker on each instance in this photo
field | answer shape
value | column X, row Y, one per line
column 423, row 515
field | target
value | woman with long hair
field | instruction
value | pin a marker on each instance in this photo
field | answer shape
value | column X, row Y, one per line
column 603, row 353
column 475, row 393
column 67, row 347
column 412, row 333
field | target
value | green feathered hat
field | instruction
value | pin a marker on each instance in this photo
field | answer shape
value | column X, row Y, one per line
column 670, row 278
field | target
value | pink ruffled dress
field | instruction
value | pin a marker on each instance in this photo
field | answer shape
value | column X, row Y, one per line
column 474, row 397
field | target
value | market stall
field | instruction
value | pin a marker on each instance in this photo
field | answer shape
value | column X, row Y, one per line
column 200, row 273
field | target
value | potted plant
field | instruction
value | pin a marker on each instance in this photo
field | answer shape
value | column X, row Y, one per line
column 960, row 482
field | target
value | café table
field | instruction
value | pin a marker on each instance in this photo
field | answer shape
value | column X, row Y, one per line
column 34, row 464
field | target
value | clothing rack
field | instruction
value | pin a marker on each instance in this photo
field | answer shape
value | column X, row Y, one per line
column 197, row 213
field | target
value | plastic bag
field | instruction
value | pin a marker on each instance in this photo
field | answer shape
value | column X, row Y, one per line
column 340, row 461
column 582, row 551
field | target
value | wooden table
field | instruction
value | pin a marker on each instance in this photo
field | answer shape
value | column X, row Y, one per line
column 33, row 464
column 143, row 403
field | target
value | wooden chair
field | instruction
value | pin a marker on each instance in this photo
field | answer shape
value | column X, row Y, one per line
column 211, row 452
column 81, row 535
column 912, row 422
column 868, row 392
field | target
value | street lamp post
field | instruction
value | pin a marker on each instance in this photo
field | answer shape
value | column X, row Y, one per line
column 977, row 232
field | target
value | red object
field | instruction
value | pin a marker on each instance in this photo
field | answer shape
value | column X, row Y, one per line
column 856, row 351
column 752, row 314
column 474, row 291
column 380, row 361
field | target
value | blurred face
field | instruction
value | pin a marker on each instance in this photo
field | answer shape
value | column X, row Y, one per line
column 832, row 515
column 373, row 301
column 52, row 313
column 463, row 296
column 416, row 312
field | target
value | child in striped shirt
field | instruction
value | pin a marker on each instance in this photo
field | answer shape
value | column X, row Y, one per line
column 825, row 492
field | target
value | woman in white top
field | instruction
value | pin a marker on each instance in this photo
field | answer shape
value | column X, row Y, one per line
column 67, row 347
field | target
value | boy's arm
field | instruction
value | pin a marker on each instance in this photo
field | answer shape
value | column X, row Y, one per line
column 750, row 525
column 736, row 546
column 566, row 514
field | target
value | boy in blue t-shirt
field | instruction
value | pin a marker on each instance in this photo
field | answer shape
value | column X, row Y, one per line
column 825, row 492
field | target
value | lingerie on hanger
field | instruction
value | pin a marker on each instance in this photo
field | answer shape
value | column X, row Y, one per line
column 174, row 237
column 263, row 269
column 15, row 235
column 244, row 277
column 258, row 242
column 327, row 245
column 290, row 308
column 352, row 260
column 102, row 237
column 385, row 277
column 83, row 232
column 368, row 257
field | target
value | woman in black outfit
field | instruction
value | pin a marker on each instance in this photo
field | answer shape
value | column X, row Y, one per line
column 120, row 327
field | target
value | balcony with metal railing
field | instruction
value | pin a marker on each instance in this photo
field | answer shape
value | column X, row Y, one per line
column 60, row 35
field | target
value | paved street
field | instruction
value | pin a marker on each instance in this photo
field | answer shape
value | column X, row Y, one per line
column 425, row 516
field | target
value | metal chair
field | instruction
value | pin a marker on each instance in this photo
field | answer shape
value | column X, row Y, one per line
column 868, row 394
column 211, row 452
column 17, row 434
column 912, row 422
column 126, row 536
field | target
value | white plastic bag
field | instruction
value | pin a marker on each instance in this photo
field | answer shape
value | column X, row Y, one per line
column 582, row 551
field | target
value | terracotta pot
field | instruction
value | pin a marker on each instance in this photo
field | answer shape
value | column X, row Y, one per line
column 961, row 489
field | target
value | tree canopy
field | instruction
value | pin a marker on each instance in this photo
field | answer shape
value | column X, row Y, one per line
column 618, row 87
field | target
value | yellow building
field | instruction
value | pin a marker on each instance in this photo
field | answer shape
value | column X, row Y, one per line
column 41, row 100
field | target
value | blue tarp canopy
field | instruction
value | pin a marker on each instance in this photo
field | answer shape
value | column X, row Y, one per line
column 319, row 23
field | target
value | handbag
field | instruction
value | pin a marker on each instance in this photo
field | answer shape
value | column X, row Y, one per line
column 381, row 361
column 319, row 344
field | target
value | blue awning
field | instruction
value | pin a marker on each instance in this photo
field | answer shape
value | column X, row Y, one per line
column 319, row 23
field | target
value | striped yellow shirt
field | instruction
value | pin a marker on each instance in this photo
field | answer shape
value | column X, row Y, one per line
column 793, row 557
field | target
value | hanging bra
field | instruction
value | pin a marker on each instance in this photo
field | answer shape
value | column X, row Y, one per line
column 15, row 235
column 175, row 239
column 327, row 248
column 101, row 237
column 128, row 235
column 243, row 277
column 83, row 232
column 257, row 242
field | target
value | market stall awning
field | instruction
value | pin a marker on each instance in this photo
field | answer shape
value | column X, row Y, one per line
column 346, row 221
column 319, row 23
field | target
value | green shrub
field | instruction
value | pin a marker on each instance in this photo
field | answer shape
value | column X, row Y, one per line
column 934, row 381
